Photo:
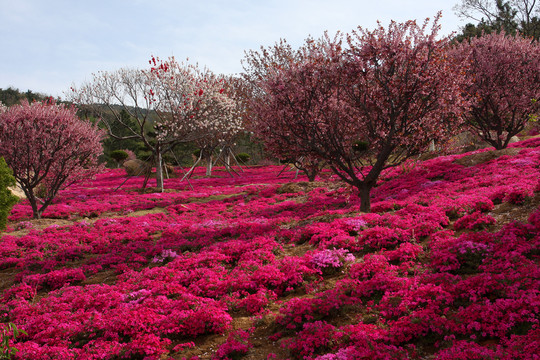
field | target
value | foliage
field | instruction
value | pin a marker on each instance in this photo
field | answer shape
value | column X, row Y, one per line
column 47, row 146
column 11, row 96
column 7, row 199
column 121, row 130
column 395, row 88
column 243, row 157
column 506, row 73
column 9, row 333
column 496, row 16
column 119, row 156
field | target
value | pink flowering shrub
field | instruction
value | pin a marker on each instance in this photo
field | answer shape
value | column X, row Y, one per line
column 55, row 279
column 137, row 285
column 474, row 221
column 465, row 350
column 464, row 254
column 327, row 260
column 518, row 196
column 235, row 347
column 315, row 337
column 379, row 237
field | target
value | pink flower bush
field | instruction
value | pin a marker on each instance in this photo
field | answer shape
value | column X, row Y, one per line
column 334, row 258
column 474, row 221
column 422, row 276
column 237, row 345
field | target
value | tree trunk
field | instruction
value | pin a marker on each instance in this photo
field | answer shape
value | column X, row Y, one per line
column 36, row 212
column 209, row 165
column 432, row 145
column 364, row 191
column 159, row 172
column 311, row 175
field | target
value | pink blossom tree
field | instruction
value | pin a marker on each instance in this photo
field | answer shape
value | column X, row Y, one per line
column 506, row 86
column 48, row 147
column 261, row 68
column 366, row 107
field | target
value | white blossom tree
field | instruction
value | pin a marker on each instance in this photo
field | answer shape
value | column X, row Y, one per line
column 202, row 106
column 171, row 102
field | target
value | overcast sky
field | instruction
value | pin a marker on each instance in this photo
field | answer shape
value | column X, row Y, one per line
column 48, row 45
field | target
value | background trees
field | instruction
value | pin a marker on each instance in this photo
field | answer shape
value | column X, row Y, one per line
column 506, row 86
column 123, row 102
column 497, row 15
column 11, row 96
column 364, row 108
column 47, row 147
column 168, row 104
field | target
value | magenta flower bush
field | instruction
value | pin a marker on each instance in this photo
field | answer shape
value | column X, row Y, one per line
column 129, row 275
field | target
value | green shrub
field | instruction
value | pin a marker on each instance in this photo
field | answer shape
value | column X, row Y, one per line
column 119, row 155
column 9, row 332
column 7, row 199
column 242, row 157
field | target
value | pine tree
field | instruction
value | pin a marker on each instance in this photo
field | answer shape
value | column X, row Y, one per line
column 7, row 199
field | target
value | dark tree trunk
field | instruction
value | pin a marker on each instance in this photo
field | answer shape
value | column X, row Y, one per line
column 311, row 175
column 364, row 190
column 36, row 211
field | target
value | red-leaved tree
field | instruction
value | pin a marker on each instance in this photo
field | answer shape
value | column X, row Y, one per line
column 506, row 86
column 48, row 147
column 365, row 107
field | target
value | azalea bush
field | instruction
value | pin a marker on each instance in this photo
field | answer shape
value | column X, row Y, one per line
column 431, row 272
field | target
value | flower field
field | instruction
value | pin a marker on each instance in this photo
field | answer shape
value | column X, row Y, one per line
column 258, row 266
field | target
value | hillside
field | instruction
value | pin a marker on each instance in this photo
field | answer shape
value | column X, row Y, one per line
column 260, row 267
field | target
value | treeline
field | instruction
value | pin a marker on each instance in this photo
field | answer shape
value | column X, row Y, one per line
column 180, row 155
column 12, row 96
column 511, row 17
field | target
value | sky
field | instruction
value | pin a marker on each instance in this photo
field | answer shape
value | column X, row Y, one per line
column 49, row 45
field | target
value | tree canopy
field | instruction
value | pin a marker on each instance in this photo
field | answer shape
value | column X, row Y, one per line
column 392, row 89
column 47, row 147
column 506, row 86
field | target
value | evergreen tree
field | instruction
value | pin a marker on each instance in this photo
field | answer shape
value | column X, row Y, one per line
column 511, row 17
column 7, row 199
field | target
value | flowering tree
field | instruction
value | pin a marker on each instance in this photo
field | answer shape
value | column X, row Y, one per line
column 223, row 120
column 364, row 108
column 48, row 147
column 196, row 105
column 261, row 68
column 171, row 103
column 506, row 87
